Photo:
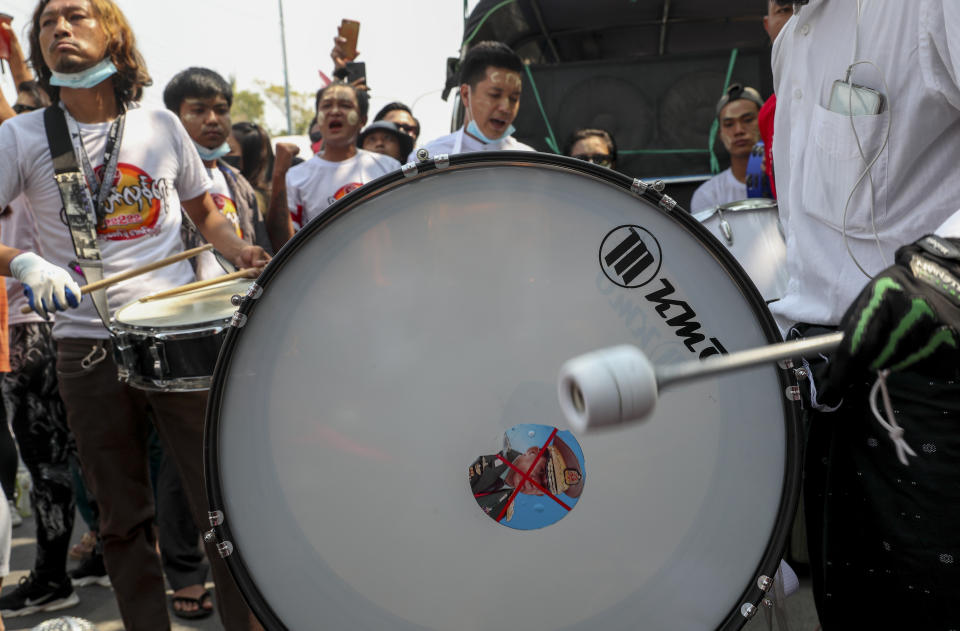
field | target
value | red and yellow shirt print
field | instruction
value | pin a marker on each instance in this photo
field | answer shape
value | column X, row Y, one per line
column 229, row 210
column 134, row 206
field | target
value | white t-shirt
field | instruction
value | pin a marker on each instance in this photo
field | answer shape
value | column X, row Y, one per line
column 158, row 166
column 207, row 264
column 468, row 144
column 916, row 46
column 18, row 230
column 722, row 188
column 315, row 184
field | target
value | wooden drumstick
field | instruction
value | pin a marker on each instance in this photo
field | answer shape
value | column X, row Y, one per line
column 137, row 271
column 200, row 284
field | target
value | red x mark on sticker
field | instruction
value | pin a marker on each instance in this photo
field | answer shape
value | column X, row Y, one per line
column 526, row 477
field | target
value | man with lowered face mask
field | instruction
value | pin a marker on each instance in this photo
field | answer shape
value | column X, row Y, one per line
column 201, row 99
column 490, row 92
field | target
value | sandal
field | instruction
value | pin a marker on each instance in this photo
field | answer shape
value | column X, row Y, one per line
column 199, row 612
column 83, row 550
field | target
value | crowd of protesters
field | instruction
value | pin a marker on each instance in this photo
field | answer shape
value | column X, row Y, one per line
column 133, row 465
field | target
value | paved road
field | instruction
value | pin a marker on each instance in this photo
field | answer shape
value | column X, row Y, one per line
column 98, row 605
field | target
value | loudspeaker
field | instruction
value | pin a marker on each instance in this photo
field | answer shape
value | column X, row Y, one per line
column 650, row 103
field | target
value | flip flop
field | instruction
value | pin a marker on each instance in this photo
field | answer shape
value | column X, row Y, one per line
column 200, row 612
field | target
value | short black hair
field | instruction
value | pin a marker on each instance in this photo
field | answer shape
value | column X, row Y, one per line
column 392, row 107
column 363, row 99
column 483, row 56
column 195, row 83
column 591, row 132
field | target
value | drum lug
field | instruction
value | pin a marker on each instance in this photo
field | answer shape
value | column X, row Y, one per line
column 442, row 161
column 225, row 548
column 255, row 291
column 123, row 356
column 239, row 320
column 764, row 583
column 215, row 517
column 159, row 359
column 639, row 187
column 726, row 230
column 748, row 610
column 792, row 393
column 785, row 363
column 667, row 203
column 410, row 169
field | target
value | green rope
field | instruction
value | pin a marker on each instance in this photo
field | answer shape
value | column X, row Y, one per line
column 493, row 10
column 551, row 140
column 715, row 126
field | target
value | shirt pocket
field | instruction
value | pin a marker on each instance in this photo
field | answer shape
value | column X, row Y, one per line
column 832, row 164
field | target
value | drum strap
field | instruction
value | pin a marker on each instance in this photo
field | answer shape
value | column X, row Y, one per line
column 78, row 203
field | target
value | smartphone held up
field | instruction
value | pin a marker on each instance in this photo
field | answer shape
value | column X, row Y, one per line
column 350, row 31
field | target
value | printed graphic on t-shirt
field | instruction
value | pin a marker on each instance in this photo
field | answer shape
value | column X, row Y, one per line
column 229, row 210
column 134, row 205
column 343, row 190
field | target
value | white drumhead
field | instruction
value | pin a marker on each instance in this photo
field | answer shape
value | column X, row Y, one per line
column 395, row 344
column 193, row 307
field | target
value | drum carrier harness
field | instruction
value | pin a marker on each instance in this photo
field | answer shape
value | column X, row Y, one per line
column 85, row 206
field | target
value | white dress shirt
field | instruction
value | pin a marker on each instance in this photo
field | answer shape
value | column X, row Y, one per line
column 915, row 46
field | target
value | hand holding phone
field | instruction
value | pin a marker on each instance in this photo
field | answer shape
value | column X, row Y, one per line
column 5, row 44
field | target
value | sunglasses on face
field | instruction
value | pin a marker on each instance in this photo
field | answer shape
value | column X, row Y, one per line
column 407, row 128
column 602, row 159
column 20, row 108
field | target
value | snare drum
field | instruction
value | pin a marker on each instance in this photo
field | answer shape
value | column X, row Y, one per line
column 384, row 445
column 171, row 344
column 751, row 230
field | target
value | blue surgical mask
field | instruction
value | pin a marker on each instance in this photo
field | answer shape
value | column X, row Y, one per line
column 212, row 154
column 94, row 75
column 474, row 130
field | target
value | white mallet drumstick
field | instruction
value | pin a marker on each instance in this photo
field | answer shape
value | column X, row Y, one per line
column 619, row 384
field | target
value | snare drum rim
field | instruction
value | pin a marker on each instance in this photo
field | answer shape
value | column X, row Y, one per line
column 790, row 494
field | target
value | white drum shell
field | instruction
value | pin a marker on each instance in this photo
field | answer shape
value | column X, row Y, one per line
column 755, row 238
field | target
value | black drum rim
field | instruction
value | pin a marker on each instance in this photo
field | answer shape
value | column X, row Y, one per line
column 790, row 492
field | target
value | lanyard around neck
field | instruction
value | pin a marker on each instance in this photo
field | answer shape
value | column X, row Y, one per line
column 101, row 186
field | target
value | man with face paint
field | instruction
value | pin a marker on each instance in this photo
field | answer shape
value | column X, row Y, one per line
column 338, row 169
column 201, row 98
column 135, row 169
column 490, row 87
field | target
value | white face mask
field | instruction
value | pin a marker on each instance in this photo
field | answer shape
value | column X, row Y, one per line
column 94, row 75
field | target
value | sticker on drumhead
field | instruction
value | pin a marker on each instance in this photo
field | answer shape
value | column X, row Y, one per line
column 630, row 256
column 535, row 479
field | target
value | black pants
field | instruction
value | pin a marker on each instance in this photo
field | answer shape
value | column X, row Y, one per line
column 179, row 537
column 884, row 538
column 39, row 422
column 109, row 420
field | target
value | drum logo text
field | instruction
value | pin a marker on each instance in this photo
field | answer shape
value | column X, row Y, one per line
column 630, row 256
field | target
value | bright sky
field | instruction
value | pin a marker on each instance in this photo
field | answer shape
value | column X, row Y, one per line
column 404, row 45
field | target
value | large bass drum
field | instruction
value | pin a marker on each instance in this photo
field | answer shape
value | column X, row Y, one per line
column 385, row 449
